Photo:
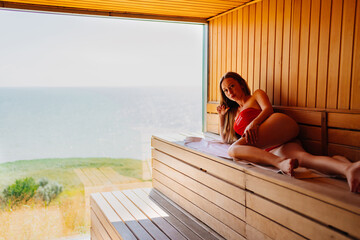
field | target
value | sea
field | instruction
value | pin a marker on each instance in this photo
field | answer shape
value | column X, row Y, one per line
column 84, row 122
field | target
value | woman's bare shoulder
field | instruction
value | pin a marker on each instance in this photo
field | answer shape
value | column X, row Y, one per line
column 259, row 93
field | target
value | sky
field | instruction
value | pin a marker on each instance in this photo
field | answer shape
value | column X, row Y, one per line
column 58, row 50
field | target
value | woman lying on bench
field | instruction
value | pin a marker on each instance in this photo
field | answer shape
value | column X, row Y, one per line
column 248, row 122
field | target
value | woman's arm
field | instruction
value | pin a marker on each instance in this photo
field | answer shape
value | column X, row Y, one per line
column 265, row 105
column 262, row 99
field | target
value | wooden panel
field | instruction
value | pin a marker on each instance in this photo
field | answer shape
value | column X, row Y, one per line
column 239, row 41
column 343, row 120
column 321, row 211
column 334, row 54
column 217, row 212
column 286, row 53
column 264, row 44
column 234, row 40
column 178, row 9
column 219, row 71
column 223, row 35
column 294, row 56
column 309, row 132
column 313, row 53
column 313, row 147
column 250, row 77
column 304, row 52
column 278, row 51
column 296, row 222
column 212, row 123
column 257, row 48
column 353, row 154
column 229, row 47
column 223, row 187
column 254, row 234
column 355, row 83
column 305, row 117
column 232, row 173
column 324, row 37
column 347, row 39
column 213, row 196
column 98, row 230
column 344, row 137
column 269, row 227
column 212, row 222
column 245, row 42
column 271, row 50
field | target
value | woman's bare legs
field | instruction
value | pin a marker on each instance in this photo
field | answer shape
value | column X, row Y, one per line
column 239, row 151
column 276, row 130
column 336, row 165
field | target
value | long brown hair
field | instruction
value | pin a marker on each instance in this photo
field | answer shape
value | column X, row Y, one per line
column 229, row 117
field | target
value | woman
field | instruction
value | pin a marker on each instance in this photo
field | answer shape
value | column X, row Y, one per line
column 248, row 122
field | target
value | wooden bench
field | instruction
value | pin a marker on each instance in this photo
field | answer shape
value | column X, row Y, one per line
column 241, row 202
column 232, row 201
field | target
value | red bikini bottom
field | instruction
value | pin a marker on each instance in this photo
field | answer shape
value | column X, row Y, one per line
column 271, row 148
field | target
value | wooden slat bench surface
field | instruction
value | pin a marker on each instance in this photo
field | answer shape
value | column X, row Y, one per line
column 143, row 214
column 240, row 201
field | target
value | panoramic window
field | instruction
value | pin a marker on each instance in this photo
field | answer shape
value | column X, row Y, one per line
column 80, row 98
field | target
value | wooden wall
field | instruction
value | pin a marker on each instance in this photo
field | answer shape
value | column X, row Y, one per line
column 303, row 53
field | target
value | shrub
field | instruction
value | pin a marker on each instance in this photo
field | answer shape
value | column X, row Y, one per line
column 47, row 191
column 20, row 192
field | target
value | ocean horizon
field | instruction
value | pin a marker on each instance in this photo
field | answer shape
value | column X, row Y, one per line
column 83, row 122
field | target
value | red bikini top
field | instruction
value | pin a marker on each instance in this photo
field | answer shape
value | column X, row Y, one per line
column 244, row 118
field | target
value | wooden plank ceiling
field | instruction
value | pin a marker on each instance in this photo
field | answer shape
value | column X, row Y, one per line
column 183, row 10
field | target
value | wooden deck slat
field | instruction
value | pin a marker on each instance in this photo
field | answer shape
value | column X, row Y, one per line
column 150, row 227
column 183, row 229
column 83, row 178
column 206, row 234
column 215, row 197
column 223, row 187
column 107, row 216
column 98, row 228
column 115, row 177
column 100, row 176
column 168, row 229
column 298, row 223
column 203, row 216
column 127, row 218
column 93, row 178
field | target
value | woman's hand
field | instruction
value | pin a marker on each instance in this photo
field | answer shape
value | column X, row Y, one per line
column 251, row 133
column 222, row 110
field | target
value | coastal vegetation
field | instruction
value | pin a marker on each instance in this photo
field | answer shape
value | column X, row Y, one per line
column 44, row 198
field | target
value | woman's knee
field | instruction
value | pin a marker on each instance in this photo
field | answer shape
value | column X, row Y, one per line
column 231, row 151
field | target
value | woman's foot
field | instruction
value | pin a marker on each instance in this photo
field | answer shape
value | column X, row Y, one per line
column 353, row 177
column 288, row 165
column 341, row 158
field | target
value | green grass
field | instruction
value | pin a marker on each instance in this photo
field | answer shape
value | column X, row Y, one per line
column 61, row 169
